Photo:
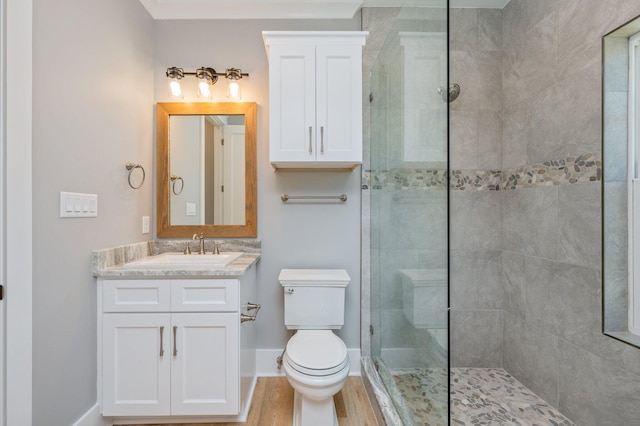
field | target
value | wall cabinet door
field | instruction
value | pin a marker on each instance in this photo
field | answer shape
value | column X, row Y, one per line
column 205, row 372
column 292, row 105
column 136, row 364
column 339, row 103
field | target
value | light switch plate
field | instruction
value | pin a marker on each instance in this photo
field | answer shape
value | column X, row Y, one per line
column 145, row 224
column 73, row 204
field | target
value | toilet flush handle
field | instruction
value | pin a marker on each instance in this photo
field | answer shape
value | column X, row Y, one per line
column 289, row 290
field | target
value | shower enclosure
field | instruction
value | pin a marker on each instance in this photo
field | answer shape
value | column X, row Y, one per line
column 408, row 223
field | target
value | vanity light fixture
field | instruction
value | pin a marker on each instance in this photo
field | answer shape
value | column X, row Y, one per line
column 233, row 75
column 206, row 77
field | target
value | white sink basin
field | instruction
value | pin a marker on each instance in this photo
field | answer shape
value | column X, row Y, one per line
column 185, row 261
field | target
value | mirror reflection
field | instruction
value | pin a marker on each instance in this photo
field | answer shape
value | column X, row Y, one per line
column 206, row 169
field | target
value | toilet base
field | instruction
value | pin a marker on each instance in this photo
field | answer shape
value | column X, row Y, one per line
column 309, row 412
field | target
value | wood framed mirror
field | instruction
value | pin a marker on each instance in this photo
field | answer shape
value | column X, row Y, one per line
column 206, row 169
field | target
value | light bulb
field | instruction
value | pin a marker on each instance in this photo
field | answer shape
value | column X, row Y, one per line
column 204, row 91
column 234, row 89
column 176, row 90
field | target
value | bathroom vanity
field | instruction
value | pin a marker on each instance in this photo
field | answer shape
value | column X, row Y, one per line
column 176, row 342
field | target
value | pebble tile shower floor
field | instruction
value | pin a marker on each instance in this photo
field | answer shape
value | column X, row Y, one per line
column 479, row 396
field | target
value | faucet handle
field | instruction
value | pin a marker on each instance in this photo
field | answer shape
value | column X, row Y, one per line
column 216, row 249
column 187, row 249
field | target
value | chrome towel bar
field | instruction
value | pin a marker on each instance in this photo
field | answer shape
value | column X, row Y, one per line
column 341, row 197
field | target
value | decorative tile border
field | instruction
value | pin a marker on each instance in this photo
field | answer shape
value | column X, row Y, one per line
column 563, row 171
column 583, row 168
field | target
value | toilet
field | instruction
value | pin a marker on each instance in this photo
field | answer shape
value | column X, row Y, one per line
column 315, row 360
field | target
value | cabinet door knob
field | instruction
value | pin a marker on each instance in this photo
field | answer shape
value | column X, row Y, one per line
column 321, row 139
column 161, row 341
column 310, row 136
column 175, row 347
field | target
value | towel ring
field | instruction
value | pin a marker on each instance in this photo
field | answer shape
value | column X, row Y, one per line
column 175, row 179
column 131, row 167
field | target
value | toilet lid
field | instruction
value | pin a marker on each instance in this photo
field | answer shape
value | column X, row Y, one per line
column 316, row 349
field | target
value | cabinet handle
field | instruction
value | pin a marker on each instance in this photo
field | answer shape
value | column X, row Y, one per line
column 161, row 341
column 175, row 347
column 321, row 139
column 310, row 148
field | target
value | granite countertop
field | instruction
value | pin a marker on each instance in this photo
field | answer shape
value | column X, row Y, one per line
column 108, row 263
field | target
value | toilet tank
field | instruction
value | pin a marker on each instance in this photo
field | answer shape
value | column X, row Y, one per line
column 314, row 298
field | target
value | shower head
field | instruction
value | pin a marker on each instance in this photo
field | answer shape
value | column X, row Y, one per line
column 451, row 94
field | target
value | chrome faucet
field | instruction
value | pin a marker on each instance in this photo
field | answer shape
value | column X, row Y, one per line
column 201, row 238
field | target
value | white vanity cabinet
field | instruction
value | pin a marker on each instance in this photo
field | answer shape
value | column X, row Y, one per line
column 172, row 348
column 315, row 99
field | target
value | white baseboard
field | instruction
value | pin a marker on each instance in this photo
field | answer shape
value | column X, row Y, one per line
column 92, row 418
column 266, row 365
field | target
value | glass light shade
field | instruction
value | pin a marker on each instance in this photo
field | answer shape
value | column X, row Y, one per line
column 204, row 91
column 175, row 89
column 234, row 90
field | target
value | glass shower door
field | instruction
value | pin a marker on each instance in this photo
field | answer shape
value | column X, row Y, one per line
column 409, row 220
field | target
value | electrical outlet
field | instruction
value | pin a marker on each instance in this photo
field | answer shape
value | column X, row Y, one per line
column 145, row 224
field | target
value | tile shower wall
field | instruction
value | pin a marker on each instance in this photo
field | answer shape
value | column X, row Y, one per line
column 477, row 315
column 526, row 259
column 551, row 234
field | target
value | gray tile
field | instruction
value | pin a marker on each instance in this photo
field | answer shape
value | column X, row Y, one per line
column 477, row 217
column 576, row 101
column 576, row 298
column 531, row 356
column 615, row 226
column 391, row 262
column 530, row 67
column 475, row 282
column 514, row 137
column 616, row 299
column 463, row 29
column 395, row 330
column 463, row 140
column 616, row 64
column 414, row 220
column 596, row 393
column 615, row 136
column 476, row 338
column 490, row 30
column 513, row 282
column 489, row 140
column 579, row 216
column 530, row 224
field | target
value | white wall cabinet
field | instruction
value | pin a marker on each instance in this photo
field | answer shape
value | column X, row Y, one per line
column 171, row 349
column 315, row 99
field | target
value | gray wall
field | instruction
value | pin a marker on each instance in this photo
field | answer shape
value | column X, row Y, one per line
column 293, row 235
column 547, row 238
column 92, row 112
column 552, row 272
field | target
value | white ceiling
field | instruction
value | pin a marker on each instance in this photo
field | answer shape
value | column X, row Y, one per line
column 286, row 9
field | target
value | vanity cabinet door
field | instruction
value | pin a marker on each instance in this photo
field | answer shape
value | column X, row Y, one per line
column 205, row 371
column 136, row 364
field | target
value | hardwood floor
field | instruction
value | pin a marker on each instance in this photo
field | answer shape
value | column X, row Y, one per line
column 273, row 405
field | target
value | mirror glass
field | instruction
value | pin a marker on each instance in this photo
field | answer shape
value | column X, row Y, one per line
column 621, row 187
column 206, row 169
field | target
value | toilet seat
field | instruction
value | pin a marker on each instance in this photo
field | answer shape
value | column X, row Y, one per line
column 316, row 353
